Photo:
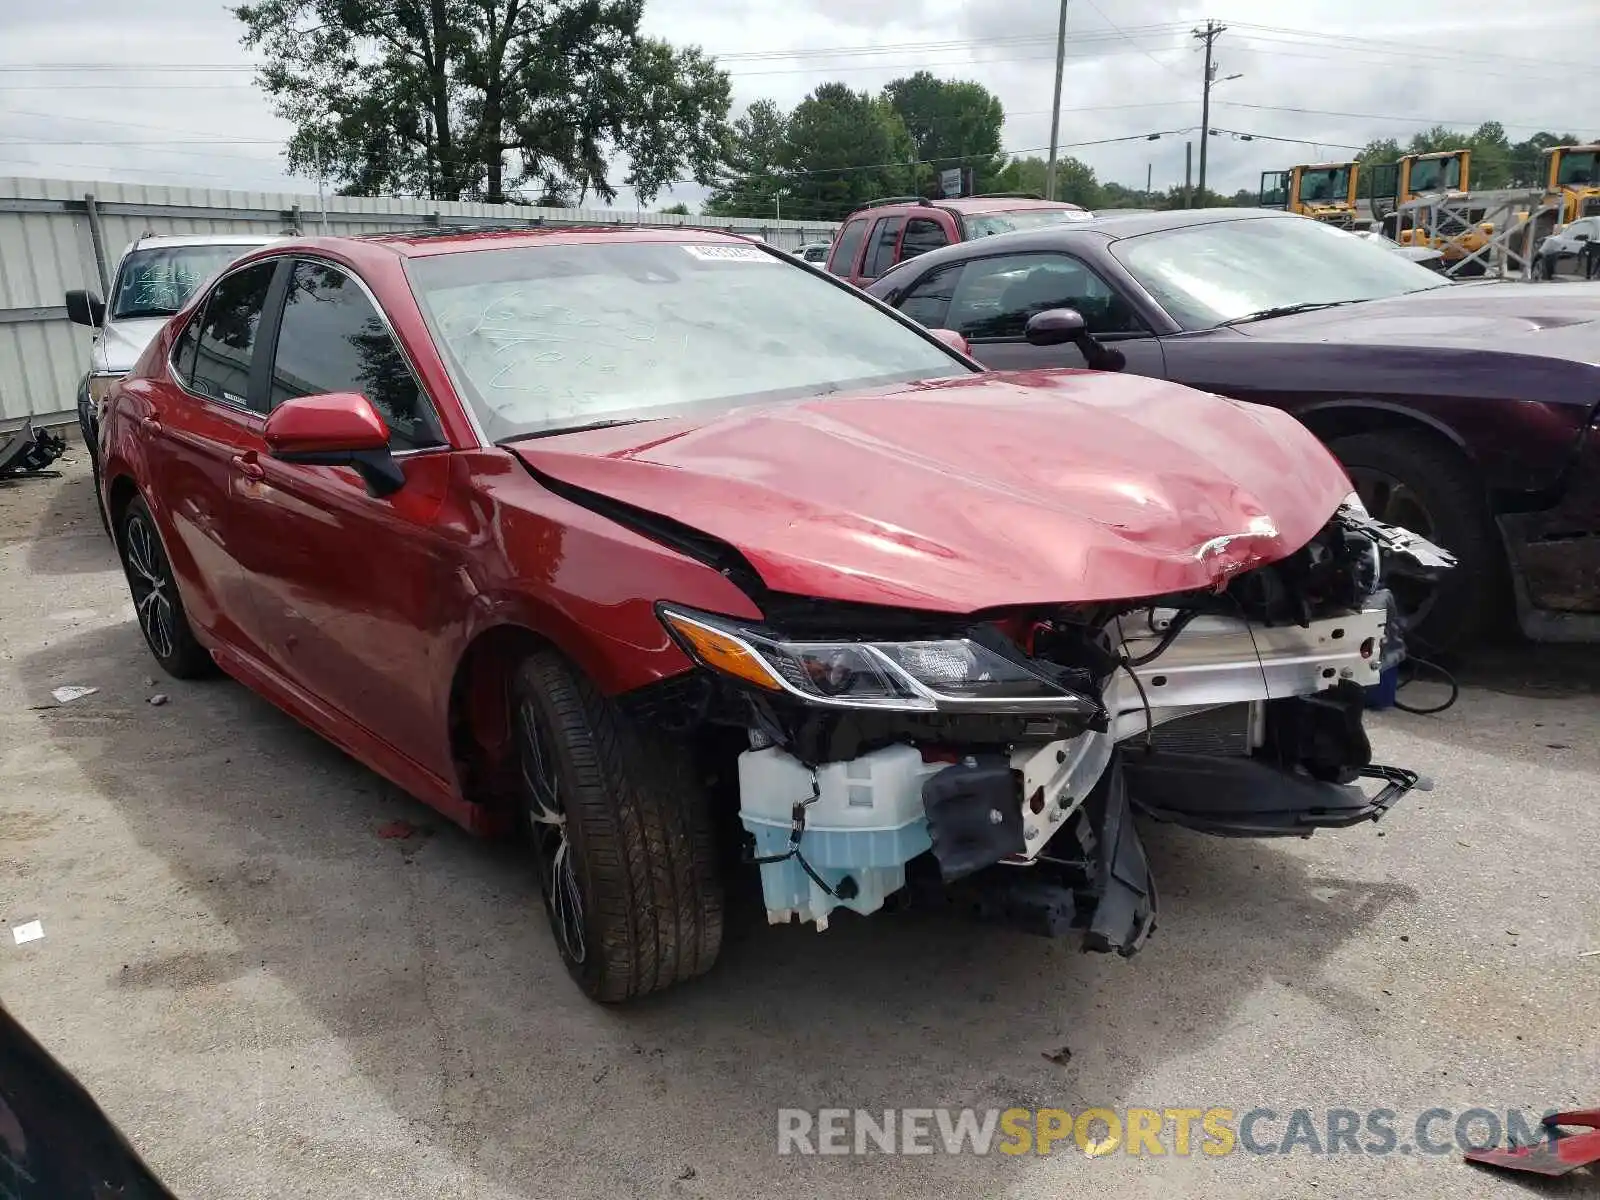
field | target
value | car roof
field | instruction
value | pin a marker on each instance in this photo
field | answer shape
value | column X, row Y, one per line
column 1131, row 224
column 204, row 239
column 969, row 206
column 1098, row 230
column 990, row 204
column 425, row 243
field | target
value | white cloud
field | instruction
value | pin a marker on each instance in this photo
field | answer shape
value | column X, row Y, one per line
column 1426, row 62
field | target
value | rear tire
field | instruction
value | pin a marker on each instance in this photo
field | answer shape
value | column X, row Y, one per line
column 157, row 606
column 1411, row 478
column 621, row 835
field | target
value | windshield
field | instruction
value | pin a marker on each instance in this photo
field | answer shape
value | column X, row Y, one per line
column 985, row 224
column 1577, row 169
column 549, row 337
column 1220, row 271
column 1436, row 175
column 158, row 281
column 1325, row 185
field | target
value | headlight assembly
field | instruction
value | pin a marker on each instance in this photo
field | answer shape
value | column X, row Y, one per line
column 1353, row 502
column 954, row 675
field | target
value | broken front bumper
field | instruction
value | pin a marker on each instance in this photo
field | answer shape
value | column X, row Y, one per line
column 1555, row 556
column 1221, row 725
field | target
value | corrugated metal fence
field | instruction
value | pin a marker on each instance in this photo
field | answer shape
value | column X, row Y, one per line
column 60, row 234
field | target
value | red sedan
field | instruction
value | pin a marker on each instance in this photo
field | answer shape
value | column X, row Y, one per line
column 635, row 538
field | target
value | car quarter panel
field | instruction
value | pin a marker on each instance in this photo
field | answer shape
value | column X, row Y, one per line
column 1517, row 416
column 572, row 576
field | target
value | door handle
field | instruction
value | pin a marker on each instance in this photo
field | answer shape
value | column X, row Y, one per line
column 151, row 423
column 248, row 466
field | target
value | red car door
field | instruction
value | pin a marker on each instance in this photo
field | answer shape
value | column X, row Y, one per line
column 357, row 592
column 847, row 249
column 202, row 437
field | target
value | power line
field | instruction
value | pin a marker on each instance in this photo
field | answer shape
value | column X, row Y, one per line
column 1126, row 37
column 1388, row 47
column 1354, row 116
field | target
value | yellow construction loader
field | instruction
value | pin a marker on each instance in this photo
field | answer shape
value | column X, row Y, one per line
column 1429, row 203
column 1572, row 180
column 1325, row 191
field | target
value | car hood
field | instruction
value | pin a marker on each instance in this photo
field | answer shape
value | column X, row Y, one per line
column 1549, row 320
column 120, row 343
column 986, row 491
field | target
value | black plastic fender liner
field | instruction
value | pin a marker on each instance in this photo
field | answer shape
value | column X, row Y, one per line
column 1249, row 797
column 1126, row 914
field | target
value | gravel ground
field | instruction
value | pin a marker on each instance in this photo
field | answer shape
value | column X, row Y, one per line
column 272, row 1000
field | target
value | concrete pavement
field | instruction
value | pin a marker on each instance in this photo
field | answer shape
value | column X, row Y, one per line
column 273, row 1001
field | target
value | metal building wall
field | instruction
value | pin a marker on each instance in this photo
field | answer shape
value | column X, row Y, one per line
column 61, row 234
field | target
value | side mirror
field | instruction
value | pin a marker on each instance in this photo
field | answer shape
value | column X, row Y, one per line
column 954, row 340
column 1058, row 326
column 336, row 429
column 85, row 308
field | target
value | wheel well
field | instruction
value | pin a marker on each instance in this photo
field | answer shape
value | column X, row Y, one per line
column 121, row 494
column 1330, row 424
column 480, row 711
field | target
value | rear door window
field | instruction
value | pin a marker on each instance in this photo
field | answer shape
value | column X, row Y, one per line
column 845, row 249
column 927, row 302
column 332, row 339
column 922, row 234
column 884, row 240
column 227, row 338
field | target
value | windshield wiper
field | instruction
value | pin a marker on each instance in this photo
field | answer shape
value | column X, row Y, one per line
column 584, row 428
column 142, row 312
column 1284, row 310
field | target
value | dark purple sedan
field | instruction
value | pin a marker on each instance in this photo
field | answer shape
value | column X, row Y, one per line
column 1466, row 412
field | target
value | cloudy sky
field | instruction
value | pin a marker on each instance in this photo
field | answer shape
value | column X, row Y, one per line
column 138, row 83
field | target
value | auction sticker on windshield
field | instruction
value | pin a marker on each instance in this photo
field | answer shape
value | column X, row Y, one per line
column 729, row 254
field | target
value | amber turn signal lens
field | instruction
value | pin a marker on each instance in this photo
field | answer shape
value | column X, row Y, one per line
column 722, row 652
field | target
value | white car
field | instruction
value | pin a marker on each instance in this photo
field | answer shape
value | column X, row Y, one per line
column 155, row 277
column 814, row 252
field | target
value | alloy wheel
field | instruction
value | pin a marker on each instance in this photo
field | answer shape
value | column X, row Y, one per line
column 152, row 587
column 547, row 820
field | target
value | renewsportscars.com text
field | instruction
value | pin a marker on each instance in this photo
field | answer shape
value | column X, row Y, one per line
column 1212, row 1132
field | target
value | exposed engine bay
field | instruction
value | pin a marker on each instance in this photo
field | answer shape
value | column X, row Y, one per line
column 996, row 762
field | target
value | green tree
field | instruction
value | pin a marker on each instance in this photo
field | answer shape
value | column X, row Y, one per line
column 1075, row 180
column 1527, row 157
column 430, row 97
column 752, row 174
column 1118, row 195
column 952, row 123
column 677, row 210
column 1177, row 196
column 1379, row 150
column 844, row 148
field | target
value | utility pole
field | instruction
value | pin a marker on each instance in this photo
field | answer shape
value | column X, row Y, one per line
column 1208, row 35
column 1149, row 171
column 1055, row 105
column 1188, row 174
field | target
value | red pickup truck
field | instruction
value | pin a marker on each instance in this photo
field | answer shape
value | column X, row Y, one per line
column 903, row 227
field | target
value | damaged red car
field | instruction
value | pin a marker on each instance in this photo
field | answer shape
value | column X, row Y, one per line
column 653, row 543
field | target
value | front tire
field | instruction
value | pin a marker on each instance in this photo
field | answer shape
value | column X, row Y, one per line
column 1414, row 480
column 621, row 836
column 156, row 603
